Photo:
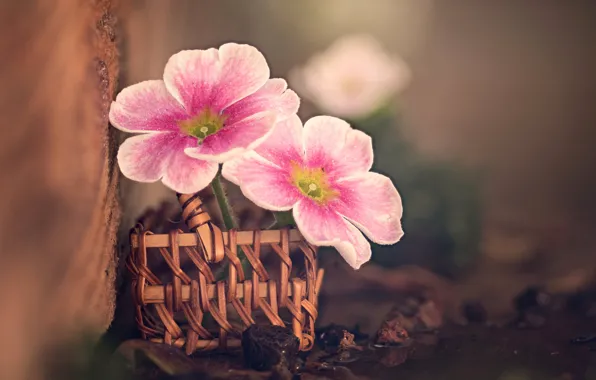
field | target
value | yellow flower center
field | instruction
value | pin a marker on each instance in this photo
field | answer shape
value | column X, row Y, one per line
column 313, row 183
column 352, row 86
column 204, row 124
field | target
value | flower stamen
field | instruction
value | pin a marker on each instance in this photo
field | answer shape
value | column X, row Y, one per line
column 313, row 183
column 204, row 124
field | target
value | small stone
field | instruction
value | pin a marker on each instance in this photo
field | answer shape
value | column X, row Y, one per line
column 266, row 346
column 330, row 337
column 347, row 341
column 531, row 298
column 392, row 333
column 474, row 312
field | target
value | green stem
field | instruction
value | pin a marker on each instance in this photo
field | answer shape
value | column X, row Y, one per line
column 229, row 219
column 227, row 213
column 284, row 219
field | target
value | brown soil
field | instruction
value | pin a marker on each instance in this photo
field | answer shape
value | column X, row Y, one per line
column 456, row 353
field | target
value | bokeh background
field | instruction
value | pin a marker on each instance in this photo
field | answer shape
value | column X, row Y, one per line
column 502, row 92
column 502, row 89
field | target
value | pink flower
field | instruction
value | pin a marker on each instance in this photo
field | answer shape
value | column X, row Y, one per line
column 210, row 106
column 321, row 171
column 352, row 78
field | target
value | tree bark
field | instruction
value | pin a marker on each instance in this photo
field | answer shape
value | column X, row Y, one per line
column 58, row 203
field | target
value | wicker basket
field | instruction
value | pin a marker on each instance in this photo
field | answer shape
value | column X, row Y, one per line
column 194, row 296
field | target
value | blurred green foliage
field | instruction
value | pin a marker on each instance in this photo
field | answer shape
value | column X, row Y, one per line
column 442, row 204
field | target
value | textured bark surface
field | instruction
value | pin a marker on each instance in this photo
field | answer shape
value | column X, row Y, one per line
column 58, row 202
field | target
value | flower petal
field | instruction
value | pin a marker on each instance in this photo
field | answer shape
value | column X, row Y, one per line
column 187, row 175
column 266, row 185
column 149, row 157
column 284, row 144
column 274, row 95
column 323, row 227
column 243, row 71
column 191, row 77
column 348, row 87
column 143, row 158
column 146, row 107
column 233, row 140
column 372, row 203
column 332, row 144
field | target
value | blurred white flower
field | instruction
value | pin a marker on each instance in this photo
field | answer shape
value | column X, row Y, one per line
column 353, row 78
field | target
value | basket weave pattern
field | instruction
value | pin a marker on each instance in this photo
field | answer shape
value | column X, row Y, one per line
column 200, row 294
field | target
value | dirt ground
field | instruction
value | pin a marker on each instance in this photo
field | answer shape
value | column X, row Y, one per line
column 470, row 352
column 480, row 352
